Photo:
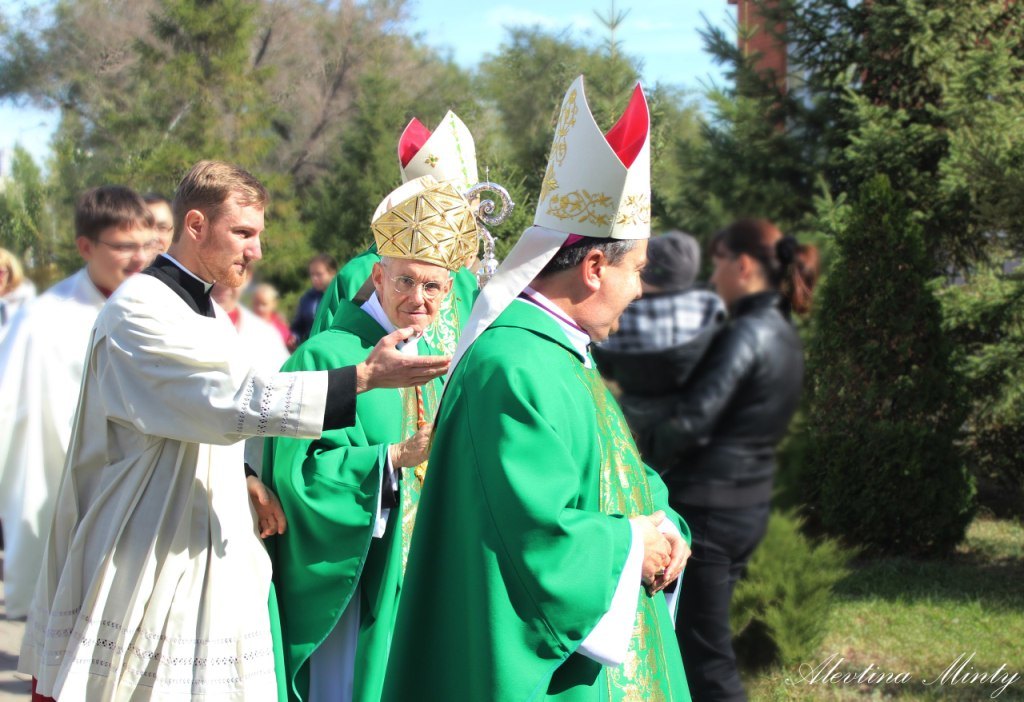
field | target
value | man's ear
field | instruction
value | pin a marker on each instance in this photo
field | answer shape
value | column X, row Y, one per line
column 377, row 277
column 194, row 225
column 86, row 247
column 592, row 269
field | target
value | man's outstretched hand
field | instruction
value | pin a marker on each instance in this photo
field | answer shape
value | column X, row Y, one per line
column 387, row 367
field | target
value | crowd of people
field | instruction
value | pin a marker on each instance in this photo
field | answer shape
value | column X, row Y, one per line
column 545, row 487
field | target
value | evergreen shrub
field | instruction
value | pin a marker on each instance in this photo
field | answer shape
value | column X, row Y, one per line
column 780, row 608
column 983, row 315
column 884, row 469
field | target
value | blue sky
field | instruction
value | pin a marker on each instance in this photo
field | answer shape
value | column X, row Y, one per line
column 662, row 33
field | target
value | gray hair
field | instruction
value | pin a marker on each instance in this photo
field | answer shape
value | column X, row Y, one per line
column 571, row 256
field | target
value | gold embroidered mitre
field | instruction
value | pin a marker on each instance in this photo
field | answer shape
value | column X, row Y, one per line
column 448, row 153
column 598, row 185
column 427, row 221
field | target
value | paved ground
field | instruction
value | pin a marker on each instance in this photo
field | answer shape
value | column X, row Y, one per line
column 14, row 687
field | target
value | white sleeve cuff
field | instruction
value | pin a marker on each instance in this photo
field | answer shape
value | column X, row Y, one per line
column 608, row 642
column 380, row 520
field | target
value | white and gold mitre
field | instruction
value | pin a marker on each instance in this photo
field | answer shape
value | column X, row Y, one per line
column 424, row 220
column 598, row 185
column 448, row 154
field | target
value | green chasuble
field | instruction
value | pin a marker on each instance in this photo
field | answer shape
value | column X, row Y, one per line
column 441, row 336
column 522, row 533
column 329, row 489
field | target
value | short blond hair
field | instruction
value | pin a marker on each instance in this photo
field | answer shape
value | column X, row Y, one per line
column 208, row 185
column 15, row 275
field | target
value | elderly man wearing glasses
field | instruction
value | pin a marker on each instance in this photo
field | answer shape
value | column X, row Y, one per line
column 351, row 495
column 41, row 361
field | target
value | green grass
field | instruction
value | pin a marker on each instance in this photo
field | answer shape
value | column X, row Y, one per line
column 915, row 616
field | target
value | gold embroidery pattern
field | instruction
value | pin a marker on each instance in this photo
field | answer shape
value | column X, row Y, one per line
column 410, row 487
column 560, row 146
column 463, row 167
column 431, row 160
column 643, row 677
column 550, row 183
column 434, row 226
column 582, row 206
column 443, row 334
column 566, row 121
column 635, row 210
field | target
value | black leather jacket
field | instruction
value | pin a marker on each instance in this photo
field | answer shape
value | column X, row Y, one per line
column 714, row 439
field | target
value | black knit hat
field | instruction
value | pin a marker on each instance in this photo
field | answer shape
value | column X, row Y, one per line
column 673, row 260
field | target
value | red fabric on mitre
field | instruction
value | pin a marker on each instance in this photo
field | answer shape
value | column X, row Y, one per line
column 414, row 136
column 628, row 135
column 36, row 697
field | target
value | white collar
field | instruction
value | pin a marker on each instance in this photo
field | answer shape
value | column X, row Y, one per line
column 178, row 263
column 372, row 307
column 578, row 338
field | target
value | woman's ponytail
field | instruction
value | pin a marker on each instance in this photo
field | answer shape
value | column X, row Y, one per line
column 799, row 266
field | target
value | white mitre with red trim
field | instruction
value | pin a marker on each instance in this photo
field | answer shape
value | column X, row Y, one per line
column 448, row 154
column 595, row 185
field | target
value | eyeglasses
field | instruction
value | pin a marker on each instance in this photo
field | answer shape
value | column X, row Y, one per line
column 125, row 249
column 405, row 285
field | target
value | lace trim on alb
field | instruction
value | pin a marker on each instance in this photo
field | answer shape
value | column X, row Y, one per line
column 95, row 644
column 288, row 405
column 266, row 399
column 250, row 388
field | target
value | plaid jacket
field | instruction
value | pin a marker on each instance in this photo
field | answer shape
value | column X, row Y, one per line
column 664, row 320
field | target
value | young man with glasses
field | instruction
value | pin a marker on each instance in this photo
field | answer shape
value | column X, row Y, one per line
column 41, row 361
column 351, row 495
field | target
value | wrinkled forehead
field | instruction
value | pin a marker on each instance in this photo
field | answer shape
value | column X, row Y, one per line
column 418, row 270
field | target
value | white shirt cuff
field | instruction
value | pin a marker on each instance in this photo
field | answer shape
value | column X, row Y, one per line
column 608, row 642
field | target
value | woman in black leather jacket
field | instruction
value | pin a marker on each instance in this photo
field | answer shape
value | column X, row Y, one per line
column 717, row 447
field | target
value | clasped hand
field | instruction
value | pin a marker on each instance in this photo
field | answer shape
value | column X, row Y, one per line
column 665, row 552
